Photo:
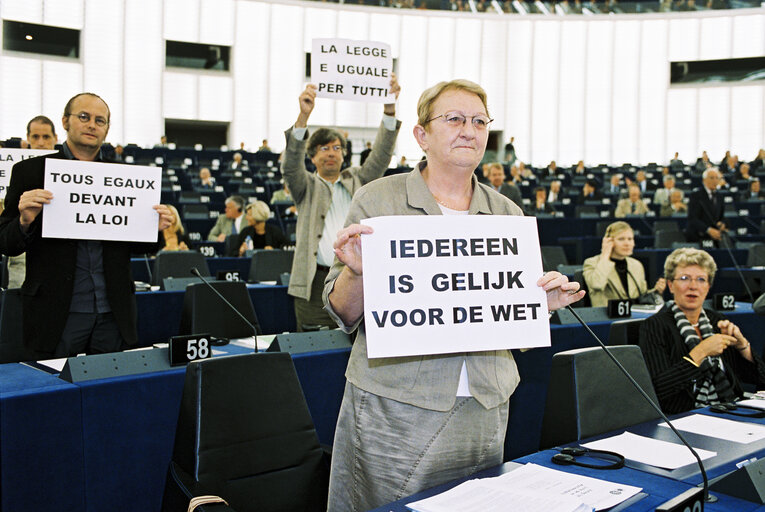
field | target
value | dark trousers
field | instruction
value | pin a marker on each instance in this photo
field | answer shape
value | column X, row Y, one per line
column 90, row 333
column 311, row 313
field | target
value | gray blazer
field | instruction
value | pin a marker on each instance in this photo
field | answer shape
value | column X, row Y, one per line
column 224, row 225
column 429, row 382
column 313, row 198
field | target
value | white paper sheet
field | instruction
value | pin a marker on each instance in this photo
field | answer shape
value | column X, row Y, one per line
column 529, row 488
column 653, row 452
column 720, row 428
column 753, row 402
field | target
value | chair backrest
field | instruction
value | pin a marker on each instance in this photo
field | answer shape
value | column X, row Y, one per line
column 666, row 225
column 585, row 302
column 245, row 433
column 756, row 255
column 625, row 332
column 664, row 239
column 205, row 312
column 601, row 226
column 588, row 395
column 178, row 264
column 196, row 211
column 552, row 256
column 269, row 264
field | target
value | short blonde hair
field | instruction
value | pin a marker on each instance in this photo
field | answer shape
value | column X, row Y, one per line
column 687, row 256
column 176, row 225
column 429, row 96
column 617, row 227
column 259, row 211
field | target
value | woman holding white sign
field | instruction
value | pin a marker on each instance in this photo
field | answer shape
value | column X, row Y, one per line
column 409, row 423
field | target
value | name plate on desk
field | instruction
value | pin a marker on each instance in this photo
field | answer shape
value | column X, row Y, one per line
column 184, row 349
column 206, row 250
column 619, row 308
column 724, row 301
column 228, row 275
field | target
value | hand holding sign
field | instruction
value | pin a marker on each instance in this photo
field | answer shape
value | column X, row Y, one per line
column 165, row 216
column 307, row 101
column 395, row 89
column 560, row 291
column 348, row 246
column 30, row 205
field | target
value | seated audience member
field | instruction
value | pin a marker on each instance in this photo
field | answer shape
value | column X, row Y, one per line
column 174, row 237
column 237, row 163
column 696, row 357
column 497, row 182
column 614, row 274
column 231, row 222
column 580, row 169
column 119, row 153
column 758, row 163
column 555, row 194
column 702, row 163
column 754, row 193
column 742, row 173
column 261, row 235
column 206, row 179
column 515, row 175
column 676, row 162
column 263, row 147
column 675, row 205
column 632, row 204
column 551, row 171
column 614, row 188
column 540, row 204
column 526, row 173
column 729, row 164
column 662, row 195
column 641, row 180
column 589, row 192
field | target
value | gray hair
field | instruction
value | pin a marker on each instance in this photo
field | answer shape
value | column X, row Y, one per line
column 687, row 256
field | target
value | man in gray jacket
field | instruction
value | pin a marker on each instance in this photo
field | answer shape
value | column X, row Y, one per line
column 324, row 198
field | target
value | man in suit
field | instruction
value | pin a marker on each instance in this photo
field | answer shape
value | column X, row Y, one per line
column 754, row 193
column 540, row 202
column 662, row 195
column 232, row 222
column 705, row 210
column 614, row 188
column 632, row 204
column 78, row 294
column 323, row 198
column 589, row 192
column 555, row 194
column 497, row 182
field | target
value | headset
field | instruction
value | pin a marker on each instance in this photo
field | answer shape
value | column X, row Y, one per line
column 730, row 408
column 567, row 457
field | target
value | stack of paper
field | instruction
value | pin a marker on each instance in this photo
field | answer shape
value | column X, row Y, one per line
column 530, row 488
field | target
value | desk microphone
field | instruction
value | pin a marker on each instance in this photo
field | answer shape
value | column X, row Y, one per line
column 205, row 281
column 727, row 245
column 707, row 497
column 148, row 267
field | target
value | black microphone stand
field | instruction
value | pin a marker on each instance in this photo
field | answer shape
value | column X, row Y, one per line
column 708, row 498
column 196, row 272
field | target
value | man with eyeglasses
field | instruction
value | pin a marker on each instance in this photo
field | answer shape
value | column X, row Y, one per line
column 324, row 198
column 705, row 210
column 78, row 295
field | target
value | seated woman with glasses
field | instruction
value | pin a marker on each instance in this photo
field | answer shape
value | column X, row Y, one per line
column 258, row 234
column 696, row 357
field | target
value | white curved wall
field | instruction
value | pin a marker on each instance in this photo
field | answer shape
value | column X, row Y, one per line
column 591, row 87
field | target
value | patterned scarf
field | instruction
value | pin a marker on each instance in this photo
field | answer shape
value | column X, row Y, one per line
column 714, row 386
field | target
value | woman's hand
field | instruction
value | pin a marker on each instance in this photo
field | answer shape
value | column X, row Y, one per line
column 560, row 291
column 348, row 246
column 606, row 246
column 660, row 286
column 712, row 346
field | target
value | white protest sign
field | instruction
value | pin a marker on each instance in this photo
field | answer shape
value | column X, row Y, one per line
column 345, row 69
column 9, row 158
column 101, row 201
column 444, row 283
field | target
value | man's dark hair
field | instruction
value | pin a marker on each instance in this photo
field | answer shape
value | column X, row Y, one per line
column 321, row 137
column 43, row 120
column 539, row 189
column 68, row 107
column 238, row 201
column 592, row 183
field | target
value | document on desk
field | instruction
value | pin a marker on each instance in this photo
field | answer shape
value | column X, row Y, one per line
column 530, row 488
column 646, row 450
column 720, row 428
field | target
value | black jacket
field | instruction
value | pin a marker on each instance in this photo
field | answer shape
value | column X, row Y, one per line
column 673, row 377
column 47, row 289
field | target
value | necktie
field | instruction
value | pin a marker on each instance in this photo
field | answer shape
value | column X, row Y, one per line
column 634, row 207
column 233, row 228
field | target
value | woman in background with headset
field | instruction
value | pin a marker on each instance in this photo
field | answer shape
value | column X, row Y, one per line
column 614, row 274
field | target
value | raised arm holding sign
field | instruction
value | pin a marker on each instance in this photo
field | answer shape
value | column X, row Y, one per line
column 324, row 197
column 434, row 416
column 78, row 295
